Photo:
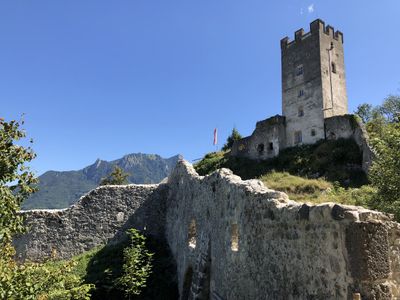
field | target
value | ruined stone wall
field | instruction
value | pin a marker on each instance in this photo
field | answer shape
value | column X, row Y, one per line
column 348, row 126
column 235, row 239
column 101, row 216
column 265, row 142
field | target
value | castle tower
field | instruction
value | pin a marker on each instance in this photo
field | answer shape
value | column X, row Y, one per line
column 313, row 82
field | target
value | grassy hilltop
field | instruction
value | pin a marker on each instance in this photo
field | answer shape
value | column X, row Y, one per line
column 329, row 171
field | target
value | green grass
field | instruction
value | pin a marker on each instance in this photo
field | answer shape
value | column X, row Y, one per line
column 328, row 171
column 315, row 191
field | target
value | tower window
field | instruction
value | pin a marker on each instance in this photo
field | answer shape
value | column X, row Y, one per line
column 260, row 148
column 271, row 146
column 297, row 137
column 301, row 93
column 299, row 70
column 313, row 133
column 300, row 112
column 333, row 68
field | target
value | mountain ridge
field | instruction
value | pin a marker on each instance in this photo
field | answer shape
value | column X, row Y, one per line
column 60, row 189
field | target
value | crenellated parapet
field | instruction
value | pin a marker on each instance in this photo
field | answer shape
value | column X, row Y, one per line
column 316, row 27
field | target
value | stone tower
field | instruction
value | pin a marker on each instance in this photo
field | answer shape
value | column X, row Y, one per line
column 313, row 82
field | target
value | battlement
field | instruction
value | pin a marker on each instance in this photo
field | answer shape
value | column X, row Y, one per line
column 316, row 27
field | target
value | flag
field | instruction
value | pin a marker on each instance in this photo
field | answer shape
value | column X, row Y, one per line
column 215, row 136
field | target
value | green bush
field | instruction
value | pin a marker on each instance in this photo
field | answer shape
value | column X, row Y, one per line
column 137, row 264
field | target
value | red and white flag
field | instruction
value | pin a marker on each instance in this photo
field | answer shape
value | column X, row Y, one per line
column 215, row 136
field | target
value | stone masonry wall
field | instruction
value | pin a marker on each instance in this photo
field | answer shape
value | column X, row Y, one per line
column 265, row 142
column 235, row 239
column 348, row 126
column 103, row 215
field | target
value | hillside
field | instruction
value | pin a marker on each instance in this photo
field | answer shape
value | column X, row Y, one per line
column 61, row 189
column 328, row 171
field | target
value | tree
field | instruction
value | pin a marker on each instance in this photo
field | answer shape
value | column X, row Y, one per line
column 390, row 108
column 137, row 264
column 385, row 170
column 28, row 280
column 364, row 111
column 235, row 136
column 116, row 177
column 16, row 180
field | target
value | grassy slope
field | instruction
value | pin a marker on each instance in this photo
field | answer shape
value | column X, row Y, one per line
column 329, row 171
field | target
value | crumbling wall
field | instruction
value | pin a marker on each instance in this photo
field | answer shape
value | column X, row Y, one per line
column 101, row 216
column 348, row 126
column 235, row 239
column 265, row 142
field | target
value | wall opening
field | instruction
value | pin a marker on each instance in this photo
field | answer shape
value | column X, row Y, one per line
column 300, row 112
column 235, row 237
column 299, row 70
column 192, row 234
column 333, row 67
column 301, row 93
column 260, row 148
column 271, row 146
column 297, row 137
column 313, row 133
column 187, row 283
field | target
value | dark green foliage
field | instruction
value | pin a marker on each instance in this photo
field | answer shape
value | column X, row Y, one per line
column 137, row 264
column 365, row 112
column 338, row 160
column 28, row 280
column 61, row 189
column 235, row 136
column 16, row 180
column 116, row 177
column 385, row 170
column 105, row 267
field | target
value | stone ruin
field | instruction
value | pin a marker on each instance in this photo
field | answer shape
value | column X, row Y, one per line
column 233, row 239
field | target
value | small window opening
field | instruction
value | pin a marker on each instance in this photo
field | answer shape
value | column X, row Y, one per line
column 260, row 148
column 271, row 146
column 192, row 234
column 313, row 132
column 300, row 112
column 301, row 93
column 299, row 70
column 234, row 237
column 333, row 68
column 297, row 137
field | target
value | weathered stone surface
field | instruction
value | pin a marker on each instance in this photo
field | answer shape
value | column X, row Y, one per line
column 286, row 250
column 101, row 216
column 234, row 239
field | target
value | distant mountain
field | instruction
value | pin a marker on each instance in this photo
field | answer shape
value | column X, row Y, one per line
column 61, row 189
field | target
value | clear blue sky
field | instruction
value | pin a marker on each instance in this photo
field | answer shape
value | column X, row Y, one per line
column 100, row 79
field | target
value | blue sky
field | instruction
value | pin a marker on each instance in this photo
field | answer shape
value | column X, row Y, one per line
column 100, row 79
